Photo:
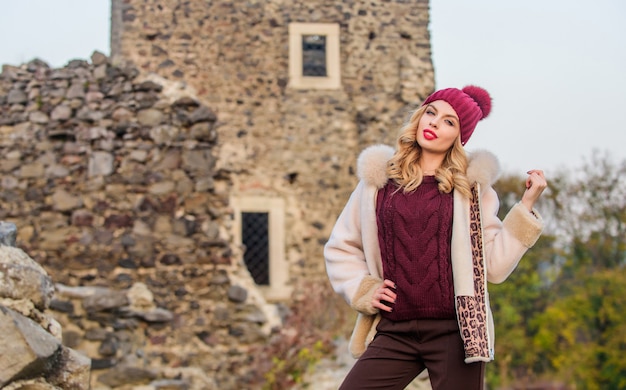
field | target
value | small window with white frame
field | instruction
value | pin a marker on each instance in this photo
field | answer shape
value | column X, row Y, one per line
column 259, row 227
column 314, row 56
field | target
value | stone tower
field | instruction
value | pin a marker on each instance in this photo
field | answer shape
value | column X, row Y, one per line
column 299, row 88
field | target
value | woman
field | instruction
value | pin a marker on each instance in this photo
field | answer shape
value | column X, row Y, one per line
column 415, row 245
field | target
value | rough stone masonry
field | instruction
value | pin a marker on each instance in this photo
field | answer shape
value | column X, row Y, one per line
column 119, row 172
column 110, row 180
column 30, row 338
column 277, row 141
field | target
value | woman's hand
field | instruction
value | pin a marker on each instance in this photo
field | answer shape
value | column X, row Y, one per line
column 384, row 296
column 535, row 184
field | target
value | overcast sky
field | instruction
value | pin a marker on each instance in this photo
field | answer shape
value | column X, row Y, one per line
column 556, row 69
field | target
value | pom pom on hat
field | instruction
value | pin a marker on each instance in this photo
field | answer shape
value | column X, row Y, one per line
column 481, row 97
column 471, row 104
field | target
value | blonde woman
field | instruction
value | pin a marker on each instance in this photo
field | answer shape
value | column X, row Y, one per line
column 416, row 244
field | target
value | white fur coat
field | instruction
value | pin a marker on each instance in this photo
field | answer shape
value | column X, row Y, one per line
column 352, row 253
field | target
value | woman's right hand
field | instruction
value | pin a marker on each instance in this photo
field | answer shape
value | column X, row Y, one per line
column 385, row 296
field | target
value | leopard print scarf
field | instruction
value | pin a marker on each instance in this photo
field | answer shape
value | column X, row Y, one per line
column 472, row 310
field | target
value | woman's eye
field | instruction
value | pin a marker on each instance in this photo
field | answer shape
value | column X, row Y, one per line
column 429, row 112
column 449, row 123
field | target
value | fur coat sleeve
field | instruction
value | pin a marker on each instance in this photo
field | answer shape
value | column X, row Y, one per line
column 352, row 253
column 505, row 241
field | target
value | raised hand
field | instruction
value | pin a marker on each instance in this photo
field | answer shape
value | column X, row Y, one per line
column 535, row 184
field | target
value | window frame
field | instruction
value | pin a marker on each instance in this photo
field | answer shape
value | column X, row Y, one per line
column 278, row 267
column 296, row 79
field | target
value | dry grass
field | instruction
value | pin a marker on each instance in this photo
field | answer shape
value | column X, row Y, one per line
column 316, row 318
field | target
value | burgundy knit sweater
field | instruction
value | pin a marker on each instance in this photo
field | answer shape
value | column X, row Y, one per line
column 414, row 233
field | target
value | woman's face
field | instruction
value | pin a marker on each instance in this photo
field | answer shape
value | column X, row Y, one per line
column 438, row 127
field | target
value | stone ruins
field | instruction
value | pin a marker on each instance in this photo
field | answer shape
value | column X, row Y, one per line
column 131, row 178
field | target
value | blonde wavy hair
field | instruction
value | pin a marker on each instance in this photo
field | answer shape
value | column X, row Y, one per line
column 404, row 166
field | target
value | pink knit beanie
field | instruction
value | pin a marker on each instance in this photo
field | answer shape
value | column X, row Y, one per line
column 470, row 103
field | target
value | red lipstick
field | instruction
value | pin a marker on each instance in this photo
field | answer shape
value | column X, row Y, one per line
column 429, row 135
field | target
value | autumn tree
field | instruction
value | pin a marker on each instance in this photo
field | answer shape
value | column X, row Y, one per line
column 519, row 299
column 590, row 212
column 582, row 336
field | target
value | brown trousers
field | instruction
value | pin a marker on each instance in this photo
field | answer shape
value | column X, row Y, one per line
column 401, row 350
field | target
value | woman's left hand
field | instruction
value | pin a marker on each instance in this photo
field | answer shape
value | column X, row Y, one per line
column 535, row 184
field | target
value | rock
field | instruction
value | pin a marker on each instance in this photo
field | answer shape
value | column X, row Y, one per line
column 72, row 371
column 203, row 132
column 28, row 350
column 30, row 384
column 170, row 384
column 164, row 134
column 108, row 300
column 140, row 297
column 202, row 114
column 64, row 201
column 150, row 117
column 97, row 58
column 38, row 117
column 155, row 315
column 61, row 113
column 22, row 278
column 76, row 91
column 237, row 294
column 17, row 96
column 34, row 170
column 100, row 164
column 126, row 375
column 8, row 233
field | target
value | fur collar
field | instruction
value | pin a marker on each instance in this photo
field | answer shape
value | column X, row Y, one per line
column 483, row 166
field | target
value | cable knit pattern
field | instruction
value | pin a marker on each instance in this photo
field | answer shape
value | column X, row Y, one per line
column 414, row 234
column 353, row 253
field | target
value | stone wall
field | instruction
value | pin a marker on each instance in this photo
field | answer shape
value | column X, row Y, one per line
column 33, row 354
column 110, row 179
column 121, row 172
column 278, row 141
